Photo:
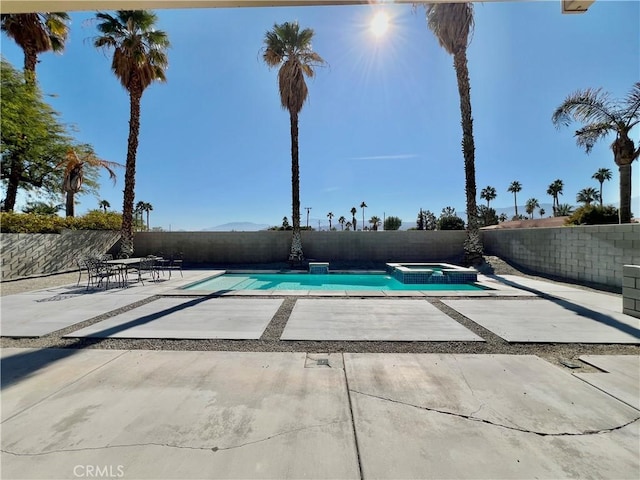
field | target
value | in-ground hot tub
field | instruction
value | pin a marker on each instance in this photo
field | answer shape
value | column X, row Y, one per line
column 424, row 273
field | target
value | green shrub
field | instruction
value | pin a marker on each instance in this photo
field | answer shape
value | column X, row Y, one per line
column 30, row 223
column 34, row 223
column 96, row 220
column 593, row 215
column 392, row 223
column 450, row 223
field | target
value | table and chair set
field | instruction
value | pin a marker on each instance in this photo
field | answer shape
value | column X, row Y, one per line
column 104, row 269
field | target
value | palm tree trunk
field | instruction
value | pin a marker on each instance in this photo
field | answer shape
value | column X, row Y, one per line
column 130, row 170
column 30, row 61
column 473, row 244
column 70, row 205
column 515, row 203
column 296, row 243
column 13, row 183
column 601, row 193
column 625, row 193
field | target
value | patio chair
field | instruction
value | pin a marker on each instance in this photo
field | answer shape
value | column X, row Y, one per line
column 83, row 266
column 98, row 271
column 175, row 263
column 147, row 265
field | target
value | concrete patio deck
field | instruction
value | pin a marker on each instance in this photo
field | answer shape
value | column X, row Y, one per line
column 159, row 414
column 146, row 414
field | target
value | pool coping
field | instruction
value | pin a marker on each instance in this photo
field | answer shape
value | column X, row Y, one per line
column 496, row 289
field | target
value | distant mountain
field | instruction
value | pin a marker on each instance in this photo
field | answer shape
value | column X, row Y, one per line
column 238, row 227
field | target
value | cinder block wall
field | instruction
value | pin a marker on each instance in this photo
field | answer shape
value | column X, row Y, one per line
column 592, row 254
column 631, row 290
column 30, row 254
column 273, row 246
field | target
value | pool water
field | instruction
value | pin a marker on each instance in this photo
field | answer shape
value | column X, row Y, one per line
column 306, row 281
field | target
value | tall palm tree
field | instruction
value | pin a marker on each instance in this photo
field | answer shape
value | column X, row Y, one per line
column 514, row 188
column 330, row 216
column 555, row 189
column 531, row 205
column 374, row 221
column 363, row 206
column 145, row 207
column 139, row 210
column 342, row 221
column 452, row 24
column 600, row 116
column 489, row 194
column 354, row 210
column 36, row 33
column 104, row 204
column 139, row 59
column 587, row 195
column 74, row 174
column 288, row 47
column 601, row 175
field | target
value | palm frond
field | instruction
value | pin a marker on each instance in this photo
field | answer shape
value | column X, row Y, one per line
column 139, row 49
column 588, row 136
column 586, row 106
column 451, row 23
column 632, row 107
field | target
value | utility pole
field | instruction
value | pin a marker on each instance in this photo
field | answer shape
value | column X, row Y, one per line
column 307, row 209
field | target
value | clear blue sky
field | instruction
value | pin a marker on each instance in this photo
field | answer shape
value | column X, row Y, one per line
column 382, row 122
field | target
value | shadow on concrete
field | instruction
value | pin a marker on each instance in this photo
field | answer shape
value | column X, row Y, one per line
column 17, row 367
column 575, row 308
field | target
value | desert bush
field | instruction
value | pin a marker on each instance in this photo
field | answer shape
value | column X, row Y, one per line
column 11, row 222
column 593, row 215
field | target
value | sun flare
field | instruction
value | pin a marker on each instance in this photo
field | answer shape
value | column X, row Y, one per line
column 379, row 24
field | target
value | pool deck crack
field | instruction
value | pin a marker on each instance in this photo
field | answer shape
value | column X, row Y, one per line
column 171, row 445
column 472, row 418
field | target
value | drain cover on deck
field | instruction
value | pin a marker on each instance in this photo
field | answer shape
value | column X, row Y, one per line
column 323, row 360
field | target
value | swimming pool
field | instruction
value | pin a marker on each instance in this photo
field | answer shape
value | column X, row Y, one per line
column 307, row 281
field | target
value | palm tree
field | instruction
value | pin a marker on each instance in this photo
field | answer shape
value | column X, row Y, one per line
column 542, row 212
column 601, row 175
column 36, row 33
column 288, row 47
column 74, row 174
column 531, row 205
column 514, row 188
column 564, row 210
column 139, row 59
column 348, row 225
column 342, row 221
column 104, row 204
column 600, row 116
column 555, row 189
column 489, row 194
column 452, row 24
column 374, row 221
column 353, row 218
column 142, row 207
column 330, row 216
column 587, row 195
column 363, row 206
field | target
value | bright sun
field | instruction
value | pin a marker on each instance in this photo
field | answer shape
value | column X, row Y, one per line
column 380, row 24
